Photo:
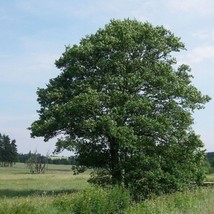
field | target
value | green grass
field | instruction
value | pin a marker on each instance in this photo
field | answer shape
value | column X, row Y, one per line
column 17, row 181
column 210, row 178
column 196, row 201
column 59, row 191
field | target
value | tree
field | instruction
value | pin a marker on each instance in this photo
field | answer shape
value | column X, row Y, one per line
column 36, row 163
column 125, row 107
column 8, row 151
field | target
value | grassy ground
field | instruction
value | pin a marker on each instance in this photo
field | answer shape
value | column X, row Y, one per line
column 210, row 178
column 59, row 191
column 22, row 192
column 192, row 202
column 17, row 181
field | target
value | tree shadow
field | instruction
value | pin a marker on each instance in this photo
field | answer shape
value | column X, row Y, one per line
column 9, row 193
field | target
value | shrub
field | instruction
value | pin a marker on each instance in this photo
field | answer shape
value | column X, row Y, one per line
column 90, row 201
column 101, row 201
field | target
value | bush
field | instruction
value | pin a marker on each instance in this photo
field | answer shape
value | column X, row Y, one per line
column 95, row 200
column 114, row 200
column 63, row 203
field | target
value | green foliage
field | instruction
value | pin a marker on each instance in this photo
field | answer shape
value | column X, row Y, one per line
column 8, row 151
column 210, row 159
column 125, row 108
column 36, row 163
column 189, row 202
column 19, row 208
column 100, row 177
column 78, row 169
column 95, row 200
column 112, row 201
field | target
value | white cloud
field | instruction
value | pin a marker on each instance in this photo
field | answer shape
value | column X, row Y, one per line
column 203, row 7
column 206, row 35
column 200, row 54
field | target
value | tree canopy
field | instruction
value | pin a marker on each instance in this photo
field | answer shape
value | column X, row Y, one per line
column 8, row 151
column 125, row 107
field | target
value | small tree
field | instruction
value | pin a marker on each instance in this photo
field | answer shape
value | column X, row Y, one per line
column 37, row 163
column 125, row 108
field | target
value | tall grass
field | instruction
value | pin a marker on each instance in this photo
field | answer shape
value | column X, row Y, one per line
column 95, row 200
column 101, row 201
column 210, row 178
column 58, row 191
column 199, row 200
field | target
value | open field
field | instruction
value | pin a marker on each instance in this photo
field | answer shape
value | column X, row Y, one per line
column 17, row 181
column 59, row 191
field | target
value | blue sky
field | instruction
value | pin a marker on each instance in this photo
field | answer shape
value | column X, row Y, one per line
column 34, row 34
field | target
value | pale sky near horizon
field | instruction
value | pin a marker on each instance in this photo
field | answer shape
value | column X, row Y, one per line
column 34, row 34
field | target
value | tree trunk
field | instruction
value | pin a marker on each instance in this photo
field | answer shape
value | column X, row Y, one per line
column 115, row 162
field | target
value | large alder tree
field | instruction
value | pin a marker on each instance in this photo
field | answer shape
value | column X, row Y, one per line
column 125, row 107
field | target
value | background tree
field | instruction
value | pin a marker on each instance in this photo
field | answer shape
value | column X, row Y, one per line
column 37, row 163
column 125, row 108
column 8, row 151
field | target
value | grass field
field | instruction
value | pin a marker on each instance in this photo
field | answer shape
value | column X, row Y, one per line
column 17, row 181
column 59, row 191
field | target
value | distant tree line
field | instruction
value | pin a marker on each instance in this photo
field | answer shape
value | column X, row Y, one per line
column 210, row 157
column 24, row 158
column 8, row 151
column 63, row 160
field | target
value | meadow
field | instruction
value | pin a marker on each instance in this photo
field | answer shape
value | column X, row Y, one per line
column 59, row 191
